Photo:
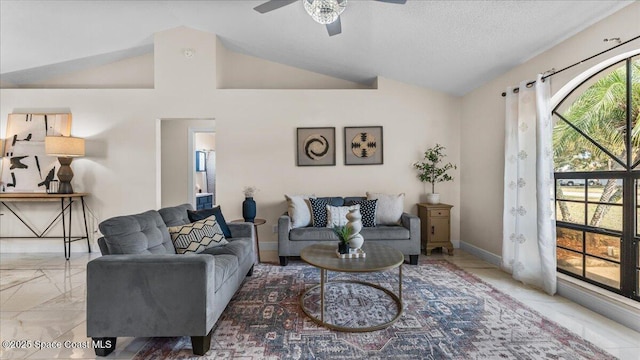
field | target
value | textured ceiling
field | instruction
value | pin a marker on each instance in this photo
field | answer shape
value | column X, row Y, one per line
column 449, row 46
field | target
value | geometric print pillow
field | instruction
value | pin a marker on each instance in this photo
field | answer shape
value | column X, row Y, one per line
column 193, row 238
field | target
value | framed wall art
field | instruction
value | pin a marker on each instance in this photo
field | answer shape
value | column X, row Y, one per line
column 363, row 145
column 26, row 166
column 316, row 146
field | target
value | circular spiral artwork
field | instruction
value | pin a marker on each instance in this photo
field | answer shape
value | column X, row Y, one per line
column 316, row 146
column 364, row 145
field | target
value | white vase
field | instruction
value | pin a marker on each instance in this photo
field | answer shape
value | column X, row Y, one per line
column 355, row 224
column 433, row 198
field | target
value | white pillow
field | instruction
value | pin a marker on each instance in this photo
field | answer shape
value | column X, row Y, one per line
column 390, row 208
column 299, row 210
column 337, row 215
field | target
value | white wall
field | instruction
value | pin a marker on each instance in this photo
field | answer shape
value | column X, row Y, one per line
column 482, row 136
column 255, row 137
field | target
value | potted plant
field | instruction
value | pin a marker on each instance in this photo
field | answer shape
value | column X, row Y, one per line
column 343, row 233
column 431, row 170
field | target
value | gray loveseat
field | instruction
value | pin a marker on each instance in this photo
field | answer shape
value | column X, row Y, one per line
column 142, row 288
column 404, row 237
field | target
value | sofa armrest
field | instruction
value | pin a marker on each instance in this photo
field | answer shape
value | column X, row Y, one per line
column 284, row 226
column 241, row 230
column 412, row 223
column 150, row 295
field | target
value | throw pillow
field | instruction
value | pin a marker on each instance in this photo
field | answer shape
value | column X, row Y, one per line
column 367, row 210
column 319, row 211
column 337, row 215
column 299, row 210
column 390, row 208
column 205, row 213
column 193, row 238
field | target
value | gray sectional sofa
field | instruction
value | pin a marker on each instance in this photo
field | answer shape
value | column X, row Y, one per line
column 142, row 288
column 404, row 236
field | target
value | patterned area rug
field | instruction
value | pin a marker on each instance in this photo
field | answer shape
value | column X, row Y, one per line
column 449, row 314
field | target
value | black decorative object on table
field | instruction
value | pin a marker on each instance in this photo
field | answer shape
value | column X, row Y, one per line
column 249, row 205
column 249, row 209
column 343, row 248
column 343, row 233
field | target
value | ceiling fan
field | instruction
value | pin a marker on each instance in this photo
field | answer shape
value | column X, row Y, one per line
column 326, row 12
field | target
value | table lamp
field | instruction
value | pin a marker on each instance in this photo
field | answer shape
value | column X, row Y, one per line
column 65, row 148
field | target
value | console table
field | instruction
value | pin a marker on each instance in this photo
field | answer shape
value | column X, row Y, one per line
column 66, row 202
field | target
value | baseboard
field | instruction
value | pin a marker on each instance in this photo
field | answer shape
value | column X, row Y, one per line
column 489, row 257
column 612, row 306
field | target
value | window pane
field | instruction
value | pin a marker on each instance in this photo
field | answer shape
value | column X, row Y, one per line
column 569, row 238
column 595, row 110
column 605, row 216
column 570, row 212
column 569, row 261
column 570, row 189
column 603, row 245
column 604, row 272
column 605, row 190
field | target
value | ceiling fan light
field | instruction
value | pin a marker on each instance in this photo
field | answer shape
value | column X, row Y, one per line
column 324, row 11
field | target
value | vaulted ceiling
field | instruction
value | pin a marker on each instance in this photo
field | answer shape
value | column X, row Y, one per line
column 449, row 46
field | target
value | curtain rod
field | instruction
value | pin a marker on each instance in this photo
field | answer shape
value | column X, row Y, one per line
column 553, row 72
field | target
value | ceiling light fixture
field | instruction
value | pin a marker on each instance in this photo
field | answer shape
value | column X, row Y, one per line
column 325, row 11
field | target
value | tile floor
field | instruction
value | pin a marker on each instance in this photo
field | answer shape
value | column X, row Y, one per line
column 42, row 298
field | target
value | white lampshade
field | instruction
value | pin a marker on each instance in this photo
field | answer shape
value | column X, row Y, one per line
column 64, row 146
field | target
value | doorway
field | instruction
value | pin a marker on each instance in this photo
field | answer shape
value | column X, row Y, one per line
column 177, row 160
column 205, row 169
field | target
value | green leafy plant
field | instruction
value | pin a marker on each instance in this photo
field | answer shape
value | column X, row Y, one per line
column 343, row 233
column 431, row 169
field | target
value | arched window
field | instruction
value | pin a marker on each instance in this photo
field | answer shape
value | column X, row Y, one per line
column 597, row 171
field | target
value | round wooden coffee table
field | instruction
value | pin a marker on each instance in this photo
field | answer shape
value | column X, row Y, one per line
column 378, row 258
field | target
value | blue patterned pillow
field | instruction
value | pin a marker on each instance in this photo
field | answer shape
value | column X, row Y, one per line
column 368, row 211
column 319, row 211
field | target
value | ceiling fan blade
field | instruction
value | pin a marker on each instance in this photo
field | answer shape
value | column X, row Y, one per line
column 335, row 27
column 394, row 1
column 272, row 5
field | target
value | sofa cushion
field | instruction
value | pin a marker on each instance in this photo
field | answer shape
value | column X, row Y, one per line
column 226, row 266
column 367, row 210
column 144, row 233
column 337, row 215
column 299, row 210
column 175, row 215
column 195, row 215
column 390, row 232
column 334, row 200
column 319, row 211
column 240, row 247
column 390, row 208
column 385, row 232
column 197, row 236
column 312, row 234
